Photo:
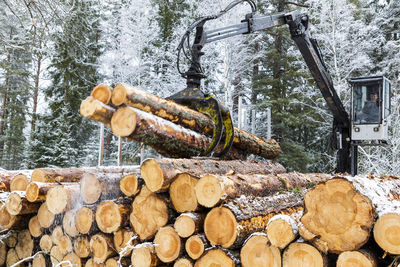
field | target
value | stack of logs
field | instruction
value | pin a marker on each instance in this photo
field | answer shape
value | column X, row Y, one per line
column 197, row 212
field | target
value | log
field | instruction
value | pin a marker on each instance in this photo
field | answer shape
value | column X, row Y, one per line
column 24, row 247
column 102, row 93
column 387, row 233
column 19, row 182
column 129, row 185
column 37, row 191
column 183, row 262
column 124, row 240
column 356, row 258
column 71, row 259
column 302, row 254
column 84, row 219
column 17, row 204
column 94, row 187
column 82, row 246
column 191, row 119
column 65, row 245
column 62, row 198
column 195, row 246
column 182, row 193
column 215, row 257
column 39, row 261
column 167, row 244
column 5, row 179
column 68, row 223
column 34, row 227
column 11, row 239
column 96, row 110
column 188, row 224
column 56, row 235
column 45, row 243
column 257, row 251
column 3, row 253
column 144, row 255
column 6, row 219
column 340, row 215
column 112, row 262
column 159, row 173
column 212, row 189
column 149, row 212
column 281, row 230
column 12, row 258
column 90, row 263
column 56, row 255
column 101, row 247
column 110, row 216
column 221, row 227
column 45, row 217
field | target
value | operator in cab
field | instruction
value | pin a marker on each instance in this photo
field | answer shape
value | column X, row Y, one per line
column 370, row 111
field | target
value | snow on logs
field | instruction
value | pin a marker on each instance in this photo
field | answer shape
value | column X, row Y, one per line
column 153, row 120
column 201, row 212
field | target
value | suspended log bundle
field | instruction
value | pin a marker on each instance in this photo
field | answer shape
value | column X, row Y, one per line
column 200, row 212
column 171, row 129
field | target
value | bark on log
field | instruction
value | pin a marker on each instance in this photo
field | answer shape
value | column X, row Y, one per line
column 257, row 251
column 387, row 233
column 34, row 227
column 188, row 224
column 182, row 193
column 101, row 247
column 159, row 173
column 19, row 182
column 17, row 204
column 190, row 119
column 215, row 257
column 195, row 246
column 302, row 254
column 62, row 198
column 68, row 223
column 45, row 217
column 149, row 213
column 102, row 93
column 164, row 136
column 124, row 240
column 45, row 243
column 82, row 246
column 281, row 230
column 211, row 189
column 144, row 255
column 167, row 244
column 110, row 216
column 356, row 258
column 340, row 215
column 96, row 110
column 24, row 247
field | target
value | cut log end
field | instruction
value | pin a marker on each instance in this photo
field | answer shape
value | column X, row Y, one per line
column 183, row 263
column 152, row 174
column 90, row 188
column 100, row 248
column 355, row 258
column 108, row 217
column 144, row 256
column 3, row 253
column 123, row 122
column 14, row 203
column 45, row 243
column 184, row 226
column 34, row 227
column 182, row 194
column 24, row 247
column 123, row 241
column 281, row 231
column 345, row 216
column 220, row 227
column 119, row 95
column 19, row 183
column 6, row 219
column 83, row 220
column 45, row 217
column 32, row 192
column 39, row 261
column 129, row 185
column 111, row 262
column 56, row 255
column 82, row 246
column 387, row 233
column 194, row 247
column 302, row 254
column 71, row 259
column 69, row 223
column 102, row 93
column 257, row 252
column 215, row 257
column 60, row 198
column 167, row 244
column 208, row 191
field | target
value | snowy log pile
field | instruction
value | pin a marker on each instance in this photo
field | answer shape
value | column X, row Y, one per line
column 197, row 212
column 171, row 129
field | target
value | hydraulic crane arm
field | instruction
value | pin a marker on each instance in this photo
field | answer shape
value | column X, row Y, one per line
column 299, row 30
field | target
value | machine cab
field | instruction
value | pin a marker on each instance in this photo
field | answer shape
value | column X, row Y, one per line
column 370, row 108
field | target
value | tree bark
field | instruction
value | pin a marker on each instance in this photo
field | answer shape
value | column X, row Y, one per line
column 257, row 251
column 167, row 244
column 158, row 174
column 190, row 119
column 298, row 254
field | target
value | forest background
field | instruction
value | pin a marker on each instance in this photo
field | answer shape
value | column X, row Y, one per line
column 53, row 53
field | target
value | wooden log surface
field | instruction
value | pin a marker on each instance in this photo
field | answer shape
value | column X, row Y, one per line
column 257, row 251
column 357, row 258
column 182, row 193
column 144, row 255
column 101, row 247
column 111, row 216
column 159, row 173
column 190, row 119
column 215, row 257
column 124, row 240
column 81, row 246
column 96, row 110
column 387, row 232
column 281, row 230
column 62, row 198
column 188, row 224
column 102, row 93
column 195, row 246
column 168, row 245
column 17, row 204
column 302, row 254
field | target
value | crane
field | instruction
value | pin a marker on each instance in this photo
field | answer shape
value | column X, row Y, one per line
column 350, row 130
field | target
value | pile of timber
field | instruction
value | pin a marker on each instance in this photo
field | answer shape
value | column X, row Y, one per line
column 197, row 212
column 171, row 129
